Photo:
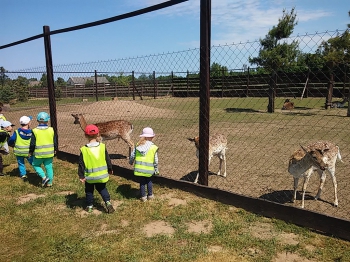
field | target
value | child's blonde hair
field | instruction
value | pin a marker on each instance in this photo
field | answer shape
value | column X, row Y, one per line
column 142, row 141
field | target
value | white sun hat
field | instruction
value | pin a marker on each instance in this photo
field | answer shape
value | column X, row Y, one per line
column 147, row 132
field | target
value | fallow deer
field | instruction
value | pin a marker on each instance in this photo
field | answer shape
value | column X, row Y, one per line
column 217, row 147
column 319, row 156
column 110, row 130
column 288, row 105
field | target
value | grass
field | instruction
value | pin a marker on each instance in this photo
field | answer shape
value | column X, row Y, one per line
column 54, row 226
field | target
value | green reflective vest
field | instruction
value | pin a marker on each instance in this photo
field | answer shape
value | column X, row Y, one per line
column 44, row 146
column 144, row 164
column 21, row 147
column 94, row 158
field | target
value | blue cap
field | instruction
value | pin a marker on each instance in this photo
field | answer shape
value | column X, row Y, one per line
column 43, row 116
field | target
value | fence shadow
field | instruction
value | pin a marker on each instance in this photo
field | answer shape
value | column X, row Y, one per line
column 241, row 110
column 127, row 191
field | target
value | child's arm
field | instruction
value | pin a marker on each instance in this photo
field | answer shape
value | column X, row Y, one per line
column 81, row 169
column 109, row 163
column 12, row 140
column 156, row 171
column 132, row 156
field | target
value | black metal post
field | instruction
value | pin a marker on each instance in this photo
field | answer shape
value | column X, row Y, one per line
column 204, row 91
column 50, row 79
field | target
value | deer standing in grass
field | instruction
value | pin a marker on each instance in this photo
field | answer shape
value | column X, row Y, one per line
column 217, row 147
column 319, row 156
column 110, row 130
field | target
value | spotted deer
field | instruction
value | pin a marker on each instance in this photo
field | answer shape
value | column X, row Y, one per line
column 319, row 156
column 110, row 130
column 217, row 147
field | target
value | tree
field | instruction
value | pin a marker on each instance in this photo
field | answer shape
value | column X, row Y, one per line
column 43, row 80
column 274, row 54
column 217, row 70
column 3, row 76
column 20, row 86
column 89, row 83
column 60, row 82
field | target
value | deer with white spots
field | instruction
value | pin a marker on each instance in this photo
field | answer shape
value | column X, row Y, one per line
column 110, row 130
column 321, row 157
column 217, row 147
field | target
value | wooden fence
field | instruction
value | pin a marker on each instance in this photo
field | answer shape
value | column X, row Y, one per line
column 244, row 85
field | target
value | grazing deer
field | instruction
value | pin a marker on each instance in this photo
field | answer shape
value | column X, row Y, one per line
column 339, row 104
column 319, row 156
column 217, row 147
column 288, row 105
column 110, row 130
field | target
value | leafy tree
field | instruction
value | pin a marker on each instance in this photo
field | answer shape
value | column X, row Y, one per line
column 60, row 82
column 217, row 70
column 89, row 83
column 3, row 76
column 43, row 80
column 7, row 93
column 275, row 54
column 120, row 80
column 20, row 86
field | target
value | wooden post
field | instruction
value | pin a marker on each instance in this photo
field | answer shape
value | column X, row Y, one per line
column 272, row 93
column 330, row 86
column 96, row 95
column 248, row 82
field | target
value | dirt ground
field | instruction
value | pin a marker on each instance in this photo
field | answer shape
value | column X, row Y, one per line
column 255, row 166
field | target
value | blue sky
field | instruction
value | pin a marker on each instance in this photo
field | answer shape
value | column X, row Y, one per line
column 169, row 30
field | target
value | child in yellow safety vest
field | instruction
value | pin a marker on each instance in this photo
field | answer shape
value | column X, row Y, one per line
column 43, row 147
column 145, row 160
column 5, row 130
column 94, row 169
column 20, row 141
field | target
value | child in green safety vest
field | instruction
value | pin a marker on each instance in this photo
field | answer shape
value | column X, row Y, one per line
column 5, row 130
column 43, row 147
column 20, row 141
column 145, row 160
column 94, row 169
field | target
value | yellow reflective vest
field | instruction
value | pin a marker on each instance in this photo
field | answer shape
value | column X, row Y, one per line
column 44, row 146
column 96, row 170
column 3, row 143
column 144, row 164
column 21, row 147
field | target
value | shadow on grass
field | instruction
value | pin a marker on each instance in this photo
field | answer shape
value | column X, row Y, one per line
column 33, row 178
column 127, row 191
column 240, row 110
column 73, row 202
column 286, row 196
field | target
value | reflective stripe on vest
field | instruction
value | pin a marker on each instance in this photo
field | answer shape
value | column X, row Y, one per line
column 44, row 147
column 96, row 170
column 21, row 147
column 144, row 164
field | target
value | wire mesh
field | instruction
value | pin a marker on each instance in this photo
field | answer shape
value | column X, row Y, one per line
column 162, row 91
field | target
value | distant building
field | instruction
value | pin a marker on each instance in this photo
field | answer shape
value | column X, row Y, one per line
column 81, row 81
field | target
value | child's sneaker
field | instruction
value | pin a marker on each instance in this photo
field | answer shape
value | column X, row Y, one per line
column 143, row 199
column 44, row 182
column 89, row 209
column 150, row 197
column 110, row 208
column 24, row 178
column 49, row 185
column 2, row 174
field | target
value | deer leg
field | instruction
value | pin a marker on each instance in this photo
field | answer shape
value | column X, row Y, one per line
column 296, row 182
column 322, row 180
column 306, row 181
column 332, row 172
column 196, row 180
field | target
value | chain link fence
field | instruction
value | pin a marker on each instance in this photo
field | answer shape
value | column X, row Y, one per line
column 246, row 105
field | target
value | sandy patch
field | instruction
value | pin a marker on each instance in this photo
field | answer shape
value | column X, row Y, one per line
column 158, row 227
column 173, row 201
column 65, row 193
column 262, row 230
column 199, row 227
column 24, row 199
column 215, row 249
column 290, row 257
column 288, row 239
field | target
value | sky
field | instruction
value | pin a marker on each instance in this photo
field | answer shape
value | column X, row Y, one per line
column 169, row 30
